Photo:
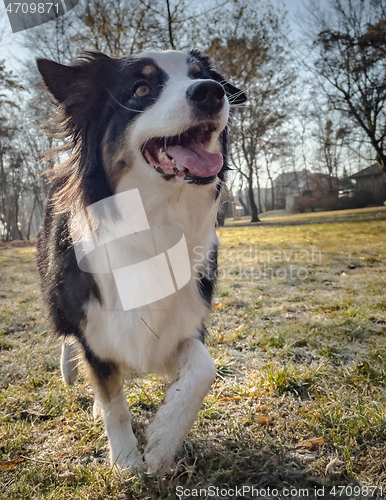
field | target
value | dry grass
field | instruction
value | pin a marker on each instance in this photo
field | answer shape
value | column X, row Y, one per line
column 285, row 218
column 300, row 356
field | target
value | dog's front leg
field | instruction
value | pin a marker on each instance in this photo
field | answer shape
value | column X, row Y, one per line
column 110, row 399
column 195, row 373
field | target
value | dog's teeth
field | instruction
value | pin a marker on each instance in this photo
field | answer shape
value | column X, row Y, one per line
column 163, row 155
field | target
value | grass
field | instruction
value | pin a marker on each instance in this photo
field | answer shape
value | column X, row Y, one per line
column 284, row 217
column 298, row 335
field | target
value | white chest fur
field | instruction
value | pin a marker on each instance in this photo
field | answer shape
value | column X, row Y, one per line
column 144, row 339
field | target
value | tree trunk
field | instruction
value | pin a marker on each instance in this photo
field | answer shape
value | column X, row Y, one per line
column 254, row 211
column 272, row 193
column 170, row 26
column 381, row 159
column 241, row 201
column 258, row 191
column 30, row 219
column 16, row 216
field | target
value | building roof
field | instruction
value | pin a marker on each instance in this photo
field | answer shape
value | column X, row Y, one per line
column 374, row 169
column 286, row 178
column 302, row 180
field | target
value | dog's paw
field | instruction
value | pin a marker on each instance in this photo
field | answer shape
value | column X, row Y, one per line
column 159, row 453
column 128, row 459
column 156, row 462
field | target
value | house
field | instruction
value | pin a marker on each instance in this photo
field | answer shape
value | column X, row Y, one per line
column 371, row 180
column 288, row 185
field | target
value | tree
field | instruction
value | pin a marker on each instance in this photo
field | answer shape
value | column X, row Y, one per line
column 274, row 148
column 349, row 43
column 120, row 28
column 245, row 42
column 330, row 143
column 10, row 160
column 248, row 48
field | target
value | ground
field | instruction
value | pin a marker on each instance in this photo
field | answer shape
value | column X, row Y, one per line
column 298, row 334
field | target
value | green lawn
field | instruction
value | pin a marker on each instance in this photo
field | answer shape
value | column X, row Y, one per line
column 298, row 334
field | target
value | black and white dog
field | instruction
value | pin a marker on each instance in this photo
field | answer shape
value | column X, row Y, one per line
column 155, row 123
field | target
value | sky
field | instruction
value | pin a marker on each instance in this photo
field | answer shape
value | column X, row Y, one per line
column 12, row 51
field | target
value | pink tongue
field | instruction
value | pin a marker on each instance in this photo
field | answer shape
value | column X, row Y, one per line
column 197, row 159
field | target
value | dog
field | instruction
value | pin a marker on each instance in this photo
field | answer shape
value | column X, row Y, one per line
column 151, row 127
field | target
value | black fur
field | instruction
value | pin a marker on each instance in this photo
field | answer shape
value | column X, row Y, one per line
column 65, row 288
column 235, row 95
column 208, row 280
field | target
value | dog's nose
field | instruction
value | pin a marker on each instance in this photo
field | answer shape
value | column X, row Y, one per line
column 207, row 96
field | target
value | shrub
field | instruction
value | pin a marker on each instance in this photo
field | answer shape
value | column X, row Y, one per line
column 327, row 202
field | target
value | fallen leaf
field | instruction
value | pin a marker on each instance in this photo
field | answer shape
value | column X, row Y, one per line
column 11, row 463
column 227, row 400
column 310, row 443
column 262, row 420
column 218, row 306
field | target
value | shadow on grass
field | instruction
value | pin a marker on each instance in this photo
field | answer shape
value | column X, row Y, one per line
column 217, row 468
column 333, row 217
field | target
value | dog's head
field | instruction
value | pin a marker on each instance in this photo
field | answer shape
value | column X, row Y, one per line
column 160, row 116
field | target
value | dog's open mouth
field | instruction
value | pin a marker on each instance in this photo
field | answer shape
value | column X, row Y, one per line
column 185, row 156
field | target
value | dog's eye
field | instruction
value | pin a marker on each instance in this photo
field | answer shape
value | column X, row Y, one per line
column 195, row 71
column 141, row 90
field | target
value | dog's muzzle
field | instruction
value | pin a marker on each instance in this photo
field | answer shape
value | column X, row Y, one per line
column 187, row 156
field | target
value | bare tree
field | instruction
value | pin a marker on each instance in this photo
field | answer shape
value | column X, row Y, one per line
column 250, row 50
column 349, row 43
column 120, row 28
column 330, row 141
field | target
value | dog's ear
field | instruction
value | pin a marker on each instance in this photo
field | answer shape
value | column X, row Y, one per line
column 80, row 90
column 235, row 95
column 58, row 78
column 77, row 87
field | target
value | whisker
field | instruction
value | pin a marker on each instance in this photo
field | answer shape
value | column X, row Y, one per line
column 241, row 105
column 122, row 106
column 233, row 97
column 122, row 88
column 144, row 145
